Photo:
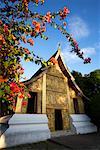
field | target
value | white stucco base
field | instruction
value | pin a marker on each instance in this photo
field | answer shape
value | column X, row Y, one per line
column 81, row 124
column 25, row 128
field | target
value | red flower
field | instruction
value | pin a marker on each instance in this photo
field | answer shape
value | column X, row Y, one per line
column 10, row 98
column 2, row 79
column 63, row 13
column 33, row 33
column 36, row 1
column 14, row 87
column 48, row 17
column 37, row 29
column 37, row 26
column 34, row 22
column 24, row 103
column 65, row 24
column 30, row 41
column 2, row 39
column 26, row 51
column 21, row 96
column 66, row 10
column 5, row 28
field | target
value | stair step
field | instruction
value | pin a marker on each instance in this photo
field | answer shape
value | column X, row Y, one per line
column 79, row 117
column 81, row 124
column 88, row 129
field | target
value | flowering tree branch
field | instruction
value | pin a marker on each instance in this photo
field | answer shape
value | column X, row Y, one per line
column 14, row 30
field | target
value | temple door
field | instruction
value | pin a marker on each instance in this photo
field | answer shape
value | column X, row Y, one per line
column 58, row 120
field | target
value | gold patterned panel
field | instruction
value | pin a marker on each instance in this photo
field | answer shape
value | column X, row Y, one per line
column 36, row 85
column 65, row 117
column 55, row 83
column 72, row 93
column 51, row 118
column 55, row 70
column 56, row 99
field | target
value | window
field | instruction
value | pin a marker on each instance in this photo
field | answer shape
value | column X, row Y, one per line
column 76, row 107
column 32, row 103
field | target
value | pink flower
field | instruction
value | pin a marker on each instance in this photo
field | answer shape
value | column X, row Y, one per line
column 63, row 13
column 30, row 41
column 26, row 51
column 0, row 22
column 48, row 17
column 20, row 70
column 0, row 46
column 37, row 26
column 5, row 28
column 29, row 96
column 66, row 10
column 34, row 22
column 87, row 60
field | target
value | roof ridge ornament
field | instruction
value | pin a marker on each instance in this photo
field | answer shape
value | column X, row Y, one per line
column 59, row 47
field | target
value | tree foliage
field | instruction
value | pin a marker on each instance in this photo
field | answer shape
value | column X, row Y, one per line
column 90, row 85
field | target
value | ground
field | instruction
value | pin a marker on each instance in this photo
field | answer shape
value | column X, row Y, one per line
column 71, row 142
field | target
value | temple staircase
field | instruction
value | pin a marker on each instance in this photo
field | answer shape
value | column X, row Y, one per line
column 81, row 124
column 25, row 128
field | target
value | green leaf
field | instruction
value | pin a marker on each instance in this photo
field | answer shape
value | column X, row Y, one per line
column 7, row 88
column 1, row 93
column 6, row 64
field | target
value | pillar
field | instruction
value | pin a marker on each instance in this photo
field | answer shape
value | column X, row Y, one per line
column 44, row 94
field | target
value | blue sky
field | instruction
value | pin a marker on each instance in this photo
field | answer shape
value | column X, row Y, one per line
column 83, row 23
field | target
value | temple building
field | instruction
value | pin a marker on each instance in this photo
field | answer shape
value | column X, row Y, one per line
column 53, row 92
column 56, row 107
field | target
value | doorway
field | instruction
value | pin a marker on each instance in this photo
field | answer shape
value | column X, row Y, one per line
column 32, row 103
column 58, row 120
column 76, row 107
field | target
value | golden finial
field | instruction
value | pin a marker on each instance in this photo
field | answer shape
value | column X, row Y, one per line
column 59, row 47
